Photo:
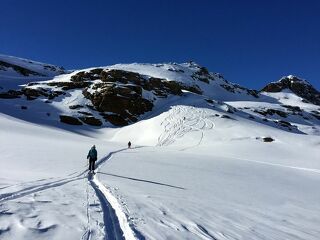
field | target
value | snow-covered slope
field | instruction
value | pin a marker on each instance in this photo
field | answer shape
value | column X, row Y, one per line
column 210, row 159
column 15, row 71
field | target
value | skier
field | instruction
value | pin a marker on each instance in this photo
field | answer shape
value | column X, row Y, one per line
column 129, row 144
column 92, row 156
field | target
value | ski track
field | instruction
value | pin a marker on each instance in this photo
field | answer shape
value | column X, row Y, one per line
column 313, row 170
column 182, row 120
column 115, row 220
column 116, row 226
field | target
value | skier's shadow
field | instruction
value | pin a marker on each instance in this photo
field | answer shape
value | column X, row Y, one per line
column 142, row 180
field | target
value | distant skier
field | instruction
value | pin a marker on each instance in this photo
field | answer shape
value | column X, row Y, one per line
column 92, row 156
column 129, row 144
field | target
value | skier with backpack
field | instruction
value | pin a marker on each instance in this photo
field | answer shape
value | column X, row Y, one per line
column 92, row 156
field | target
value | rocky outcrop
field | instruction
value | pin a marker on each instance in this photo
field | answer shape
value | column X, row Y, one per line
column 126, row 102
column 298, row 86
column 70, row 85
column 202, row 75
column 121, row 93
column 234, row 88
column 268, row 139
column 271, row 112
column 11, row 94
column 70, row 120
column 91, row 120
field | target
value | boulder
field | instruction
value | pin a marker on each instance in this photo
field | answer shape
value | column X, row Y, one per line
column 268, row 139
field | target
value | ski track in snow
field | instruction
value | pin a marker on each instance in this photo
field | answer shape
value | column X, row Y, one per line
column 115, row 220
column 313, row 170
column 182, row 120
column 116, row 226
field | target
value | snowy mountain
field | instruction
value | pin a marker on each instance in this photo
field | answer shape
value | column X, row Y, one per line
column 300, row 87
column 18, row 67
column 210, row 159
column 15, row 71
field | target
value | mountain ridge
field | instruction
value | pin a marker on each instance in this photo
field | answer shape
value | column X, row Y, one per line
column 123, row 94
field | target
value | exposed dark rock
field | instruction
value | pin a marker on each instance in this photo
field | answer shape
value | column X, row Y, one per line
column 228, row 88
column 233, row 88
column 226, row 116
column 75, row 106
column 315, row 112
column 268, row 139
column 292, row 108
column 32, row 84
column 32, row 93
column 121, row 76
column 87, row 76
column 11, row 94
column 90, row 106
column 230, row 109
column 300, row 87
column 260, row 112
column 85, row 113
column 194, row 89
column 24, row 107
column 209, row 101
column 54, row 94
column 70, row 85
column 266, row 112
column 202, row 75
column 253, row 93
column 91, row 121
column 284, row 123
column 115, row 119
column 316, row 116
column 70, row 120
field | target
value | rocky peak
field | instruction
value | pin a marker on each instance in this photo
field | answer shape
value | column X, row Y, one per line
column 298, row 86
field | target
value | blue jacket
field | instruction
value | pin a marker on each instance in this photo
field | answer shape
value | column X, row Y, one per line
column 92, row 154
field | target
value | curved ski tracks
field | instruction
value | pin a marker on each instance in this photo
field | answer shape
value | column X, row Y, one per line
column 182, row 120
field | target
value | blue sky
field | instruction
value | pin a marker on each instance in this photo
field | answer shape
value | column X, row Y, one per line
column 249, row 42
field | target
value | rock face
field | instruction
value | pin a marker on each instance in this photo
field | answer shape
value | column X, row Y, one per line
column 300, row 87
column 121, row 93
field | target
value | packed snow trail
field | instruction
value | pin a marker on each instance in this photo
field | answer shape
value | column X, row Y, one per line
column 115, row 220
column 114, row 223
